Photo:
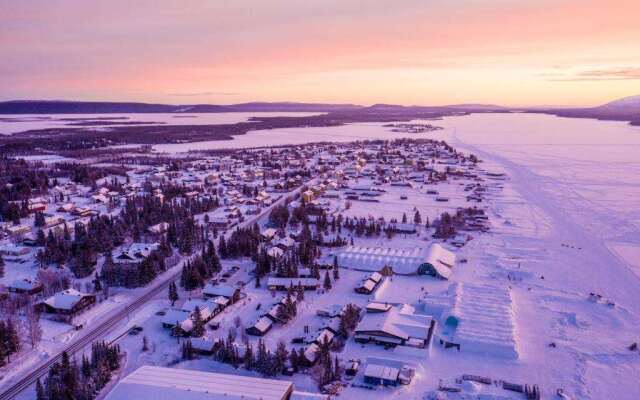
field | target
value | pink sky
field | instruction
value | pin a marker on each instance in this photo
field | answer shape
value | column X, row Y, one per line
column 426, row 52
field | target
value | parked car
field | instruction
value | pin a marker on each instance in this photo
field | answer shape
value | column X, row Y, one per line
column 353, row 367
column 135, row 330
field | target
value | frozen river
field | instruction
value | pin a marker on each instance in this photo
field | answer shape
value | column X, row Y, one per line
column 12, row 123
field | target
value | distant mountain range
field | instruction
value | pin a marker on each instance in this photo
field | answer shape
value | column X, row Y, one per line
column 626, row 109
column 101, row 107
column 625, row 106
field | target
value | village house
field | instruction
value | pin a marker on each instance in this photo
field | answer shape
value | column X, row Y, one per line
column 274, row 283
column 67, row 303
column 399, row 326
column 260, row 327
column 26, row 286
column 135, row 253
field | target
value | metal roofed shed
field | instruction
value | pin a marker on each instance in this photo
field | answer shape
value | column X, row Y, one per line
column 159, row 383
column 376, row 374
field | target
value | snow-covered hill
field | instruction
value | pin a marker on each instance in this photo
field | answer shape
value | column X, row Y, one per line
column 629, row 104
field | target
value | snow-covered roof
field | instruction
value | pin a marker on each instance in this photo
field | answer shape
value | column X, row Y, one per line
column 160, row 383
column 66, row 299
column 285, row 242
column 206, row 307
column 172, row 316
column 399, row 322
column 136, row 252
column 381, row 372
column 441, row 259
column 311, row 352
column 203, row 344
column 269, row 232
column 275, row 252
column 219, row 290
column 273, row 281
column 24, row 284
column 263, row 324
column 308, row 396
column 403, row 261
column 368, row 284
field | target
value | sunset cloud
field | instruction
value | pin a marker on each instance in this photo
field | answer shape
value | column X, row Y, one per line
column 409, row 52
column 631, row 73
column 199, row 94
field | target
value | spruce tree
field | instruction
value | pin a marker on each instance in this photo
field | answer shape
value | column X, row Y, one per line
column 327, row 281
column 13, row 340
column 177, row 330
column 249, row 358
column 4, row 347
column 173, row 293
column 198, row 323
column 97, row 285
column 40, row 394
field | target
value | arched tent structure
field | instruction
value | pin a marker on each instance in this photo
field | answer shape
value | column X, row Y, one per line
column 436, row 260
column 439, row 262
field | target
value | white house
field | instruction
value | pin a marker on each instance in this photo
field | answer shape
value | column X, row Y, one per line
column 397, row 326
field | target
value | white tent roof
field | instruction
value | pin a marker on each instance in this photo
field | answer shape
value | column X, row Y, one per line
column 403, row 261
column 441, row 259
column 159, row 383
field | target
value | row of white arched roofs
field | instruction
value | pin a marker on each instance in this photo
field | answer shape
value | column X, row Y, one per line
column 403, row 261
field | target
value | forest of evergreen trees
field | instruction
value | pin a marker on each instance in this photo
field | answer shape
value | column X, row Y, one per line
column 69, row 380
column 9, row 341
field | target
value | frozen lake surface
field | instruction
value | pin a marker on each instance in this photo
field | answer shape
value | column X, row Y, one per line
column 12, row 123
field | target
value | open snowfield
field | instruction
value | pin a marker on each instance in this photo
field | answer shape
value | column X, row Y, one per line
column 583, row 178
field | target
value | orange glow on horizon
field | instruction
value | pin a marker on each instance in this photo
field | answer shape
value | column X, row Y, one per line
column 415, row 52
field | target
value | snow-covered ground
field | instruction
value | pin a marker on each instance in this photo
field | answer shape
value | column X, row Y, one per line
column 566, row 223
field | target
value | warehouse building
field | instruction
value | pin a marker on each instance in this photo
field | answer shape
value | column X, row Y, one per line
column 159, row 383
